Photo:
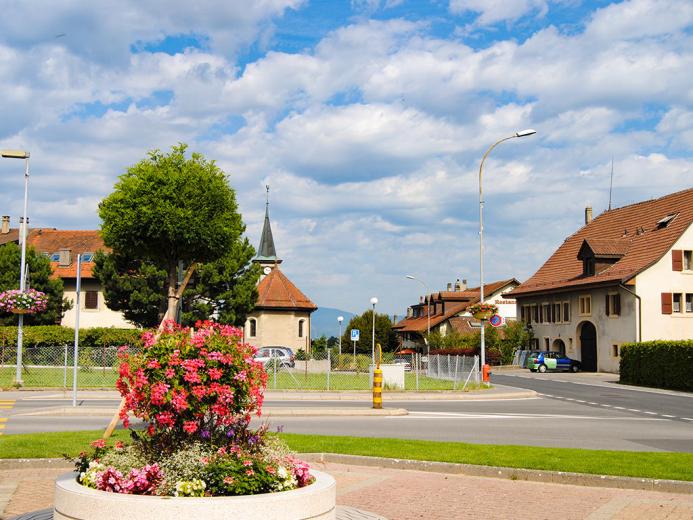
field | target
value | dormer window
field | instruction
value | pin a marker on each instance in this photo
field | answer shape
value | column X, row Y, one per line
column 666, row 220
column 588, row 265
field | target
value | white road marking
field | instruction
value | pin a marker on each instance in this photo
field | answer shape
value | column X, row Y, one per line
column 458, row 415
column 686, row 418
column 651, row 413
column 590, row 402
column 633, row 410
column 580, row 401
column 619, row 408
column 669, row 416
column 606, row 405
column 569, row 399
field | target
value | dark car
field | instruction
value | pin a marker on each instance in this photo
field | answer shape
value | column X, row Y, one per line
column 540, row 361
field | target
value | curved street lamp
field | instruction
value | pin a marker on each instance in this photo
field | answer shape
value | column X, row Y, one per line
column 21, row 154
column 521, row 133
column 428, row 309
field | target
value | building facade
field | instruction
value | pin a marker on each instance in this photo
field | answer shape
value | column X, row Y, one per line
column 625, row 276
column 448, row 311
column 281, row 316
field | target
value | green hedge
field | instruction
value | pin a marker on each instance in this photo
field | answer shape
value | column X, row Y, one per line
column 51, row 335
column 660, row 364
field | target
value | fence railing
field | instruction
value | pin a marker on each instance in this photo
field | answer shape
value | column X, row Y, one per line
column 52, row 367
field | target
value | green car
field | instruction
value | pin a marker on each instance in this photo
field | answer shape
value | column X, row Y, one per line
column 540, row 361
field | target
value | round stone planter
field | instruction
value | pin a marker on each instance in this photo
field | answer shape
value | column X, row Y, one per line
column 74, row 501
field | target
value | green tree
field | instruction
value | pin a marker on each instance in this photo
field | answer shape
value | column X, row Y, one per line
column 164, row 211
column 364, row 323
column 515, row 336
column 39, row 278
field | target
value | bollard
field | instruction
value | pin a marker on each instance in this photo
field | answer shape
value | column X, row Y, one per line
column 486, row 371
column 378, row 383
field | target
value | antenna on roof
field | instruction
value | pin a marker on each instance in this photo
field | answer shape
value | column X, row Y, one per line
column 611, row 182
column 267, row 195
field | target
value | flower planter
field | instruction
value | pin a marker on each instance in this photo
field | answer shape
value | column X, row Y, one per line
column 74, row 501
column 19, row 311
column 482, row 315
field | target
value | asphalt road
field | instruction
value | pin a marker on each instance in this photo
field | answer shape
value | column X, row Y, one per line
column 573, row 410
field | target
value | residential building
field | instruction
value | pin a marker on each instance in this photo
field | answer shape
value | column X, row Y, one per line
column 62, row 248
column 281, row 316
column 448, row 311
column 625, row 276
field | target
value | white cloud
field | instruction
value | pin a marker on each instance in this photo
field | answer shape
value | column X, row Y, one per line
column 493, row 11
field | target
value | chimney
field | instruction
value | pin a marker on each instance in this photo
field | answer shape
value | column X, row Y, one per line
column 410, row 312
column 5, row 229
column 449, row 286
column 65, row 258
column 421, row 299
column 588, row 215
column 461, row 286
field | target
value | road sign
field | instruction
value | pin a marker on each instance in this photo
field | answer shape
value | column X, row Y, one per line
column 496, row 320
column 355, row 334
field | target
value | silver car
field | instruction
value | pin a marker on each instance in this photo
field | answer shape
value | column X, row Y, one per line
column 284, row 357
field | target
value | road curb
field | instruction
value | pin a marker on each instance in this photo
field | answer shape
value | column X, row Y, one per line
column 554, row 477
column 267, row 411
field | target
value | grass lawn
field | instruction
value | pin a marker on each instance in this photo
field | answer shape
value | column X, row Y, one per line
column 675, row 466
column 36, row 377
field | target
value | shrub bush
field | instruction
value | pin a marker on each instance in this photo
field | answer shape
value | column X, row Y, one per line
column 660, row 364
column 52, row 335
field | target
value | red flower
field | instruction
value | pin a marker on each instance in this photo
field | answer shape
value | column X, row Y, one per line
column 190, row 426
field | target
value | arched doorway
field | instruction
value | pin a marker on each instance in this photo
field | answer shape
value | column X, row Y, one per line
column 559, row 346
column 588, row 346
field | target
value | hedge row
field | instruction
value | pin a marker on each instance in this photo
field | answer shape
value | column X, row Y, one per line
column 51, row 335
column 493, row 355
column 660, row 364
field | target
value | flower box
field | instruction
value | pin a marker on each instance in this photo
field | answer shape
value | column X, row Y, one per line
column 17, row 310
column 482, row 311
column 74, row 501
column 482, row 315
column 29, row 301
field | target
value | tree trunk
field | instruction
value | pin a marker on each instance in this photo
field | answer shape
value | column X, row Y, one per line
column 172, row 296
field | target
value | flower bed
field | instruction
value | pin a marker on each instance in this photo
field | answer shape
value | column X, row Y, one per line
column 29, row 301
column 196, row 391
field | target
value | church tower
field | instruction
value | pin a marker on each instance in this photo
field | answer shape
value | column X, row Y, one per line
column 281, row 316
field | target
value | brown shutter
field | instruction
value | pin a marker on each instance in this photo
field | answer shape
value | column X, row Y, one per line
column 666, row 303
column 91, row 300
column 677, row 260
column 607, row 305
column 617, row 304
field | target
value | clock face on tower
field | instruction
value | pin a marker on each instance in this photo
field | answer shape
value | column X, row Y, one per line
column 267, row 270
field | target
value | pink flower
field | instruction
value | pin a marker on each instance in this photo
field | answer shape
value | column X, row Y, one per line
column 154, row 363
column 228, row 480
column 190, row 426
column 98, row 443
column 119, row 445
column 215, row 373
column 247, row 462
column 199, row 391
column 249, row 472
column 170, row 373
column 158, row 393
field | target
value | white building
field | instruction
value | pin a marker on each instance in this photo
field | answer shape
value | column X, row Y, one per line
column 625, row 276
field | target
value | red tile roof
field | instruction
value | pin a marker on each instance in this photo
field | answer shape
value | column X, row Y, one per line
column 631, row 233
column 50, row 241
column 276, row 291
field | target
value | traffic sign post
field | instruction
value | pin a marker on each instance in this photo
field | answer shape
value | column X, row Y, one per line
column 355, row 334
column 496, row 320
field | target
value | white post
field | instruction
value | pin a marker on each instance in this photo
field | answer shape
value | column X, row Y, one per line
column 65, row 368
column 22, row 271
column 76, row 351
column 329, row 367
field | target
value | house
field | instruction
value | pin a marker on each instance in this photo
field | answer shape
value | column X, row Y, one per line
column 62, row 248
column 625, row 276
column 281, row 316
column 448, row 311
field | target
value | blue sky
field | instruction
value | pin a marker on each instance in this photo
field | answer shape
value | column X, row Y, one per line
column 367, row 118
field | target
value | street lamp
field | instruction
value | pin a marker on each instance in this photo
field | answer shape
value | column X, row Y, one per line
column 340, row 319
column 21, row 154
column 428, row 309
column 374, row 300
column 521, row 133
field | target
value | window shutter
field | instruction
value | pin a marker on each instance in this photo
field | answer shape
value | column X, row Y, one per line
column 617, row 304
column 666, row 303
column 607, row 304
column 677, row 260
column 91, row 300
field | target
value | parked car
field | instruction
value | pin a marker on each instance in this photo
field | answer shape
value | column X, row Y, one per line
column 541, row 361
column 284, row 355
column 403, row 361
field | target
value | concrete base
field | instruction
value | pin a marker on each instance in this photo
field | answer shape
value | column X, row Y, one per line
column 76, row 502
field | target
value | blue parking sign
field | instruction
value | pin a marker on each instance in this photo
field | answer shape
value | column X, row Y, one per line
column 355, row 334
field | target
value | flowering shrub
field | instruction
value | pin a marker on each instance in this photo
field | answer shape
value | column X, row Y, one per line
column 191, row 384
column 29, row 301
column 483, row 308
column 196, row 391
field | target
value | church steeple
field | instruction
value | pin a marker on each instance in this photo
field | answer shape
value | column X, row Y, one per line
column 266, row 252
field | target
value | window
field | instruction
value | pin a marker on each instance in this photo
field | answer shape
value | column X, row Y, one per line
column 588, row 265
column 677, row 298
column 556, row 315
column 55, row 257
column 253, row 328
column 585, row 305
column 300, row 328
column 689, row 302
column 547, row 342
column 91, row 300
column 566, row 312
column 614, row 350
column 535, row 313
column 545, row 313
column 688, row 260
column 613, row 304
column 87, row 257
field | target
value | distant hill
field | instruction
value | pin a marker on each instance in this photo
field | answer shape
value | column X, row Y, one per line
column 324, row 322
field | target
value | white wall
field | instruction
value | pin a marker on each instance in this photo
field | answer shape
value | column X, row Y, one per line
column 102, row 316
column 661, row 278
column 279, row 328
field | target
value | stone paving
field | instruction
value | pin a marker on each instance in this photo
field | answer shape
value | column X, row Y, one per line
column 398, row 494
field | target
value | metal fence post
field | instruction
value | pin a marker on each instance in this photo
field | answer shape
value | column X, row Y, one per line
column 65, row 367
column 275, row 373
column 416, row 365
column 329, row 366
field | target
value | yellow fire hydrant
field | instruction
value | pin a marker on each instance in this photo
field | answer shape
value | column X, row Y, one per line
column 378, row 381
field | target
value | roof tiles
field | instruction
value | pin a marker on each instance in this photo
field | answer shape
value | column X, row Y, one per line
column 276, row 291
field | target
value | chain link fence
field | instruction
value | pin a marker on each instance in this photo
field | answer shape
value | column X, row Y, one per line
column 97, row 367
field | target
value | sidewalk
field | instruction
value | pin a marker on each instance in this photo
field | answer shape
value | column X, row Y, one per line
column 402, row 494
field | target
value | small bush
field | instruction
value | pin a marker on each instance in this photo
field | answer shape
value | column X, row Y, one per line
column 660, row 364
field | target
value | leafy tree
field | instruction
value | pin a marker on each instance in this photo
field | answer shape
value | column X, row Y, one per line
column 319, row 344
column 364, row 323
column 164, row 211
column 39, row 278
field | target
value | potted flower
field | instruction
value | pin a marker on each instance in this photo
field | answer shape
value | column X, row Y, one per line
column 29, row 301
column 195, row 392
column 482, row 311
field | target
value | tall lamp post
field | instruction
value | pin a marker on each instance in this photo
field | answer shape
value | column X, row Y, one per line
column 521, row 133
column 428, row 309
column 340, row 319
column 21, row 154
column 374, row 300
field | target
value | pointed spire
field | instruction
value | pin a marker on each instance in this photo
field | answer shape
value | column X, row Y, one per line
column 266, row 253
